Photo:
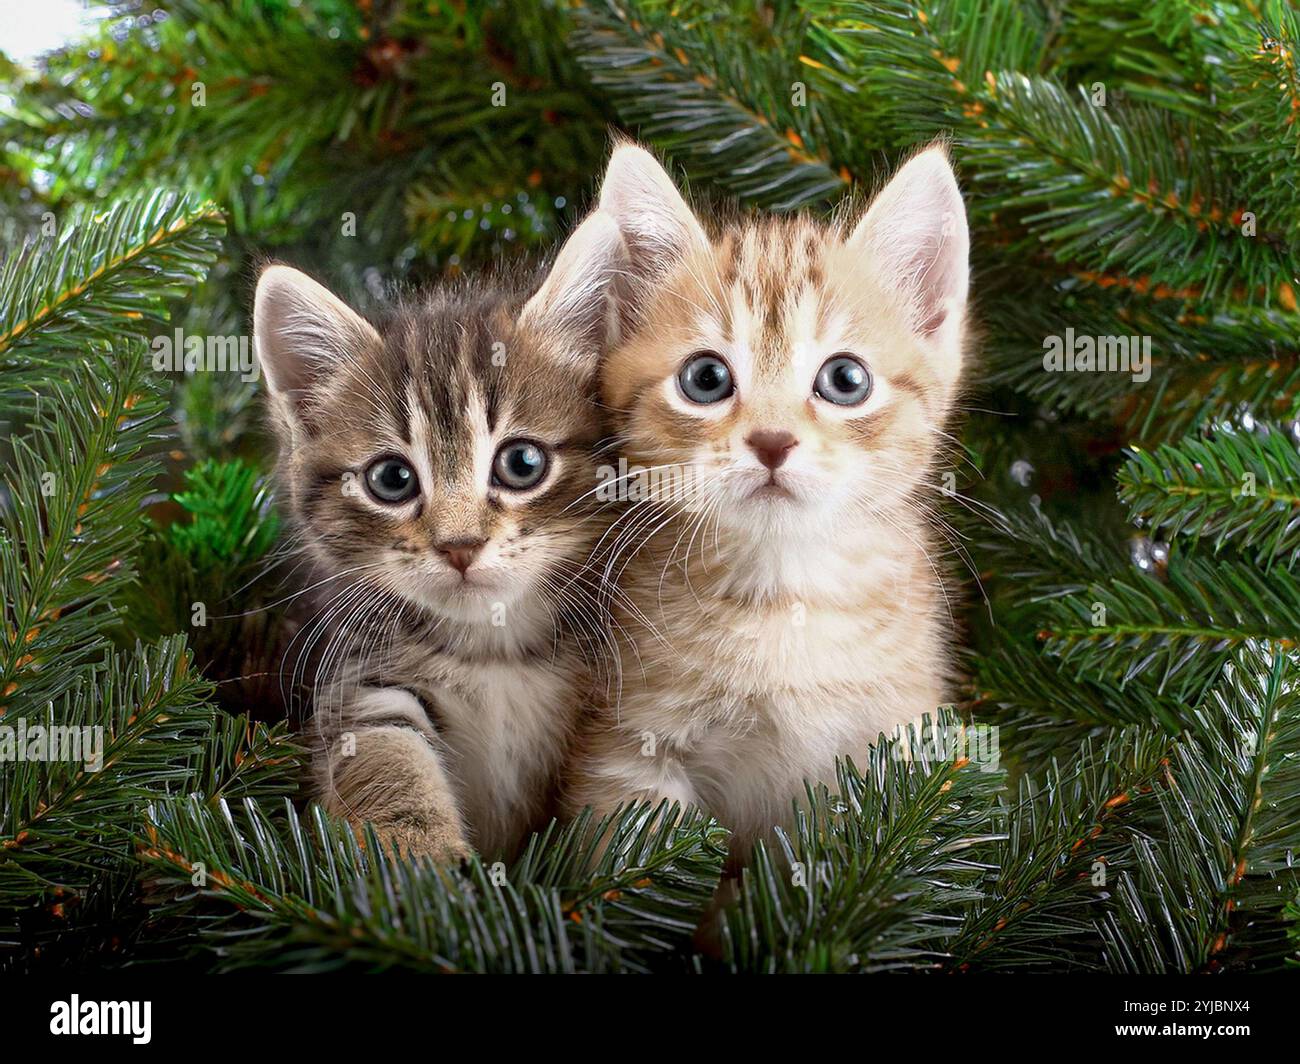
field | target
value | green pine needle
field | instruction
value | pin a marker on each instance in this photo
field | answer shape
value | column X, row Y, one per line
column 1239, row 489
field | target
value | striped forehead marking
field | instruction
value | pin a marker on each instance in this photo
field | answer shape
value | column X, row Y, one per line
column 773, row 279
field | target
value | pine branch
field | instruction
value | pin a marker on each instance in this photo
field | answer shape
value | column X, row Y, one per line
column 107, row 921
column 104, row 277
column 70, row 525
column 232, row 522
column 241, row 758
column 318, row 900
column 1262, row 102
column 645, row 877
column 213, row 575
column 1210, row 880
column 726, row 109
column 1037, row 559
column 917, row 69
column 313, row 122
column 876, row 877
column 1042, row 707
column 1086, row 184
column 1135, row 186
column 149, row 95
column 1164, row 52
column 1231, row 360
column 1238, row 488
column 66, row 822
column 1062, row 836
column 1180, row 630
column 1265, row 386
column 1164, row 919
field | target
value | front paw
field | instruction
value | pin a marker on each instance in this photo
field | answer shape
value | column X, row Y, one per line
column 416, row 839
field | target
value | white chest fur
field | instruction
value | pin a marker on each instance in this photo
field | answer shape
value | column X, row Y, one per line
column 504, row 727
column 752, row 697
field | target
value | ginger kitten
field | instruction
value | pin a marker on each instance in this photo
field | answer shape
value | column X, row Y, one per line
column 777, row 604
column 434, row 465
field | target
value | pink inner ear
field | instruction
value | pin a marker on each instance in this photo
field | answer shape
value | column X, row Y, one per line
column 927, row 260
column 931, row 324
column 940, row 280
column 915, row 234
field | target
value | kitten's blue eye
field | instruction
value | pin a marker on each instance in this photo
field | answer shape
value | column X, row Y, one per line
column 705, row 379
column 843, row 380
column 391, row 480
column 519, row 464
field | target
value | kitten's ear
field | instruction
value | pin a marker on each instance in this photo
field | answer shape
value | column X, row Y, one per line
column 658, row 227
column 916, row 236
column 301, row 330
column 576, row 299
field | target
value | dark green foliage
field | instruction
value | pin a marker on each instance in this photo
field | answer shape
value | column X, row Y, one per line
column 674, row 73
column 301, row 893
column 1212, row 865
column 1238, row 489
column 876, row 876
column 231, row 523
column 217, row 577
column 1181, row 628
column 1062, row 827
column 73, row 495
column 66, row 821
column 103, row 277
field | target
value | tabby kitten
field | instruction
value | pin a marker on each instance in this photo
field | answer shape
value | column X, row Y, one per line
column 435, row 466
column 778, row 604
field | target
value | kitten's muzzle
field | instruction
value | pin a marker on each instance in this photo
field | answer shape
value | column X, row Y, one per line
column 460, row 553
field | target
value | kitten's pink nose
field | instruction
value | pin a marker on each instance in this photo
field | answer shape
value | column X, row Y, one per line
column 460, row 553
column 773, row 446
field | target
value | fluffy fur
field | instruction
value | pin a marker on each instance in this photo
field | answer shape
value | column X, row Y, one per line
column 444, row 701
column 771, row 621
